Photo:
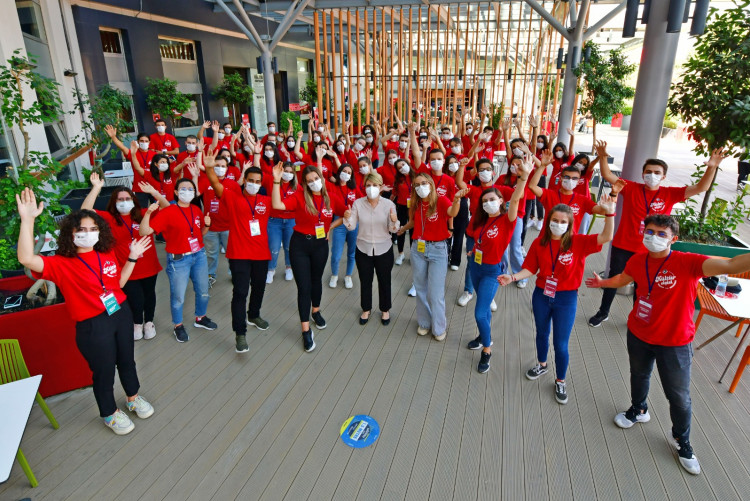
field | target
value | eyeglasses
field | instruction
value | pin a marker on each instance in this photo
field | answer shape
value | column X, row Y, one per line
column 660, row 234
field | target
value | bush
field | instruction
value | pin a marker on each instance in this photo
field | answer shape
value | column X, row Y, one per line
column 294, row 117
column 626, row 110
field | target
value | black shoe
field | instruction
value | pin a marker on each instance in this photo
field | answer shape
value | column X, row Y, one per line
column 484, row 362
column 320, row 322
column 205, row 323
column 476, row 344
column 363, row 321
column 241, row 344
column 536, row 371
column 561, row 395
column 308, row 340
column 385, row 321
column 181, row 334
column 597, row 319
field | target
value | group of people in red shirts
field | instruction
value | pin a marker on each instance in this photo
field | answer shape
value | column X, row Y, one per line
column 260, row 195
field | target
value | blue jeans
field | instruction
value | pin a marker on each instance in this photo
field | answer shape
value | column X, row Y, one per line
column 484, row 276
column 341, row 235
column 212, row 240
column 674, row 364
column 468, row 285
column 195, row 268
column 585, row 223
column 429, row 269
column 557, row 313
column 513, row 253
column 279, row 233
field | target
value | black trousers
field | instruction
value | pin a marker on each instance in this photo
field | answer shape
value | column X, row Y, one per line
column 142, row 298
column 403, row 217
column 617, row 261
column 381, row 266
column 308, row 257
column 743, row 168
column 460, row 223
column 106, row 342
column 247, row 275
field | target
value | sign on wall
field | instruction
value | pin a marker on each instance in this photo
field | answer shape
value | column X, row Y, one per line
column 259, row 102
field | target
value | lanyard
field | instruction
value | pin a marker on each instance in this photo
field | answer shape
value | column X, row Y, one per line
column 322, row 202
column 144, row 161
column 439, row 182
column 572, row 197
column 648, row 204
column 554, row 261
column 284, row 192
column 346, row 194
column 648, row 278
column 128, row 226
column 252, row 207
column 479, row 240
column 186, row 219
column 421, row 215
column 100, row 276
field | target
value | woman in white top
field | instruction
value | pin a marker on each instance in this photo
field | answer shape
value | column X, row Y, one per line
column 377, row 219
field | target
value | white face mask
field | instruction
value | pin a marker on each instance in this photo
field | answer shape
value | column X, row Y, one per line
column 143, row 145
column 539, row 145
column 316, row 185
column 559, row 154
column 220, row 171
column 125, row 206
column 402, row 145
column 453, row 166
column 558, row 229
column 316, row 139
column 404, row 169
column 569, row 184
column 345, row 177
column 652, row 180
column 290, row 144
column 340, row 148
column 447, row 136
column 392, row 160
column 513, row 169
column 271, row 129
column 247, row 148
column 221, row 135
column 163, row 166
column 161, row 128
column 252, row 188
column 579, row 166
column 227, row 130
column 191, row 147
column 469, row 130
column 321, row 129
column 456, row 150
column 287, row 176
column 364, row 170
column 373, row 192
column 423, row 191
column 394, row 138
column 357, row 147
column 517, row 152
column 655, row 243
column 491, row 206
column 436, row 164
column 186, row 195
column 85, row 239
column 485, row 176
column 268, row 153
column 368, row 139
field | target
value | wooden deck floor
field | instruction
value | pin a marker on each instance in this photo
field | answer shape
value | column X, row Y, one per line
column 264, row 425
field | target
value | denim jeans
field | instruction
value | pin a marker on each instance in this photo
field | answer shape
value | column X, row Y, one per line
column 585, row 223
column 212, row 240
column 673, row 363
column 429, row 269
column 513, row 253
column 341, row 235
column 557, row 313
column 468, row 285
column 279, row 233
column 484, row 276
column 195, row 268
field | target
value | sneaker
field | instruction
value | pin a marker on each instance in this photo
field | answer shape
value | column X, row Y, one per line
column 181, row 334
column 484, row 362
column 141, row 407
column 523, row 251
column 223, row 250
column 348, row 282
column 319, row 321
column 137, row 331
column 288, row 275
column 205, row 323
column 560, row 394
column 400, row 259
column 119, row 422
column 439, row 337
column 149, row 330
column 413, row 291
column 687, row 457
column 597, row 319
column 521, row 284
column 269, row 276
column 454, row 267
column 308, row 340
column 333, row 282
column 423, row 331
column 464, row 298
column 531, row 223
column 476, row 344
column 493, row 306
column 632, row 416
column 536, row 371
column 211, row 281
column 539, row 225
column 240, row 343
column 258, row 322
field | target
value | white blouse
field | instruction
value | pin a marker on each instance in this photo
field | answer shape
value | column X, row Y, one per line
column 375, row 225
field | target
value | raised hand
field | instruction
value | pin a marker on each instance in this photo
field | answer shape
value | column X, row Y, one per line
column 320, row 152
column 193, row 169
column 485, row 110
column 147, row 188
column 571, row 131
column 463, row 162
column 277, row 171
column 534, row 121
column 617, row 187
column 27, row 206
column 504, row 280
column 152, row 208
column 96, row 181
column 206, row 124
column 523, row 169
column 258, row 148
column 138, row 247
column 546, row 158
column 506, row 124
column 461, row 193
column 517, row 123
column 717, row 156
column 299, row 135
column 111, row 131
column 215, row 126
column 594, row 282
column 601, row 149
column 133, row 146
column 608, row 203
column 209, row 159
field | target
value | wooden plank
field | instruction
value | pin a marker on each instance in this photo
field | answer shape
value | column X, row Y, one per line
column 328, row 97
column 318, row 72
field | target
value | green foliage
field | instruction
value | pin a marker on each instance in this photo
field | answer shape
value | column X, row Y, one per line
column 8, row 256
column 496, row 116
column 669, row 121
column 715, row 85
column 309, row 93
column 604, row 78
column 105, row 108
column 549, row 90
column 359, row 110
column 162, row 97
column 294, row 117
column 626, row 111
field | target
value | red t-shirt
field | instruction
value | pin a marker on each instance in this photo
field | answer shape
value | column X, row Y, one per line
column 214, row 206
column 160, row 143
column 388, row 173
column 432, row 228
column 527, row 193
column 569, row 266
column 582, row 188
column 581, row 205
column 637, row 203
column 672, row 296
column 286, row 192
column 444, row 185
column 559, row 163
column 492, row 238
column 403, row 191
column 391, row 145
column 178, row 224
column 125, row 232
column 487, row 152
column 304, row 221
column 243, row 209
column 163, row 186
column 346, row 194
column 144, row 159
column 181, row 157
column 373, row 148
column 82, row 286
column 326, row 165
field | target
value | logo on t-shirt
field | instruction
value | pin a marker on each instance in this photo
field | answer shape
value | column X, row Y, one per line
column 442, row 191
column 136, row 226
column 658, row 205
column 666, row 279
column 168, row 143
column 109, row 269
column 576, row 209
column 492, row 232
column 260, row 208
column 326, row 212
column 433, row 217
column 198, row 221
column 565, row 259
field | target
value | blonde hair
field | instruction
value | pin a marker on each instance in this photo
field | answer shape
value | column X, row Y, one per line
column 431, row 198
column 373, row 177
column 308, row 193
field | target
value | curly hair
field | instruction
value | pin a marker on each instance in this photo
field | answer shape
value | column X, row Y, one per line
column 71, row 223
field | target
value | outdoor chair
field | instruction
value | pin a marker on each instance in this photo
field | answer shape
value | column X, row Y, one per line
column 709, row 306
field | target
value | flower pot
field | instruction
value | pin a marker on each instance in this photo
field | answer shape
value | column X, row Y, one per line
column 665, row 131
column 736, row 247
column 11, row 273
column 625, row 125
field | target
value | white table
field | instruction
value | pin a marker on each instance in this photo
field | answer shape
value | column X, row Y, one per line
column 16, row 400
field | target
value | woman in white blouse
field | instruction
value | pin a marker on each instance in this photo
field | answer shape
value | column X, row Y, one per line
column 377, row 220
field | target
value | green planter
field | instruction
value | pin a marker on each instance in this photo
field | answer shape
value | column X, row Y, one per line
column 738, row 247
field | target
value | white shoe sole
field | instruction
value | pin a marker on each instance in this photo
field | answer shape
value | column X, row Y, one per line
column 144, row 416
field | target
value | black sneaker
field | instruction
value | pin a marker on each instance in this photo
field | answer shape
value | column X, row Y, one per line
column 211, row 281
column 597, row 319
column 561, row 395
column 320, row 322
column 687, row 457
column 536, row 371
column 258, row 322
column 241, row 344
column 484, row 362
column 205, row 323
column 308, row 340
column 181, row 334
column 476, row 344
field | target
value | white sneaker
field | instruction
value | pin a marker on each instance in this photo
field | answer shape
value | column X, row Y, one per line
column 521, row 284
column 464, row 299
column 423, row 331
column 269, row 276
column 413, row 291
column 493, row 306
column 454, row 267
column 400, row 259
column 348, row 282
column 539, row 225
column 530, row 223
column 630, row 417
column 523, row 251
column 223, row 250
column 288, row 275
column 440, row 337
column 137, row 331
column 333, row 282
column 119, row 423
column 141, row 407
column 149, row 330
column 687, row 457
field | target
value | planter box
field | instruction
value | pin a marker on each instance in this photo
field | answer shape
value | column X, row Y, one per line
column 48, row 342
column 617, row 120
column 738, row 247
column 625, row 125
column 666, row 131
column 74, row 198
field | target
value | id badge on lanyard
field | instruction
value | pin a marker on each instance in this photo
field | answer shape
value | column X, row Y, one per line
column 643, row 310
column 642, row 228
column 320, row 231
column 550, row 287
column 254, row 227
column 214, row 209
column 478, row 256
column 195, row 246
column 408, row 203
column 109, row 301
column 421, row 246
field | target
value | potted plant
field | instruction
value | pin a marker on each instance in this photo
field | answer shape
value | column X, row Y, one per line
column 236, row 94
column 669, row 125
column 627, row 113
column 163, row 99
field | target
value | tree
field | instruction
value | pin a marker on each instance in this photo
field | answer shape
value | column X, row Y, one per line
column 309, row 92
column 603, row 83
column 163, row 98
column 105, row 108
column 235, row 93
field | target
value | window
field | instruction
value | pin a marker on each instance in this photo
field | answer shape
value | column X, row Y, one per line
column 110, row 42
column 194, row 116
column 180, row 50
column 30, row 18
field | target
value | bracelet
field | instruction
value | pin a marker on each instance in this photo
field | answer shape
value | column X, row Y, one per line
column 277, row 182
column 131, row 260
column 610, row 215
